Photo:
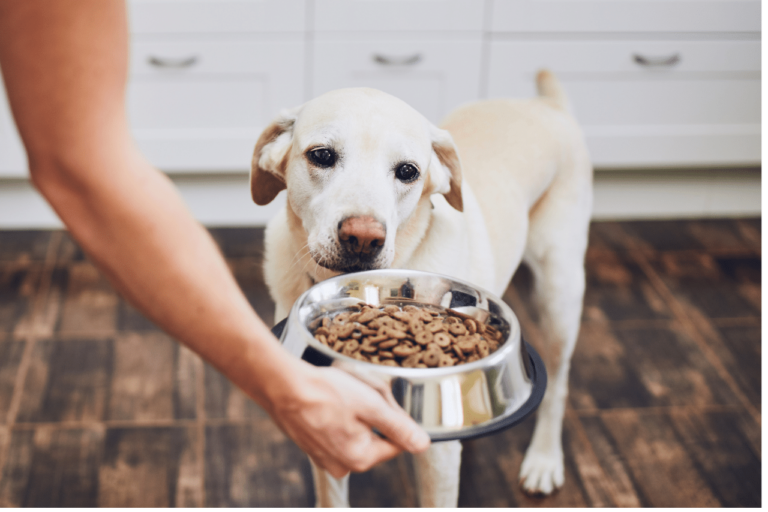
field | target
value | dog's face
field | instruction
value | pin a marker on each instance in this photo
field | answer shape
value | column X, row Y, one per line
column 356, row 163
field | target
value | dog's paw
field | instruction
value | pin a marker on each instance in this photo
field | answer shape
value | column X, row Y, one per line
column 541, row 473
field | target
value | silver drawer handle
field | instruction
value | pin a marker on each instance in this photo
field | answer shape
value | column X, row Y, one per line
column 656, row 61
column 397, row 61
column 173, row 63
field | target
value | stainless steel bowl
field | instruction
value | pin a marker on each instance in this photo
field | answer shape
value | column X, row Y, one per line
column 457, row 402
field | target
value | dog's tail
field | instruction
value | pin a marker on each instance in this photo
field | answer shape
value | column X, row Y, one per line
column 549, row 87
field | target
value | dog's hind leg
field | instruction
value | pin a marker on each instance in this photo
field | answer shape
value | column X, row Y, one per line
column 329, row 491
column 437, row 475
column 557, row 242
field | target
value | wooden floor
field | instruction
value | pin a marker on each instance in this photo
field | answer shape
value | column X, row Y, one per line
column 98, row 407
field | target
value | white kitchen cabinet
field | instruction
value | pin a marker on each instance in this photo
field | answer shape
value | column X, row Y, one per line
column 654, row 82
column 433, row 75
column 648, row 103
column 621, row 16
column 398, row 15
column 199, row 105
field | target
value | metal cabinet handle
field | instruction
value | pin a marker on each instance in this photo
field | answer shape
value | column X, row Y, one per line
column 396, row 61
column 173, row 63
column 656, row 61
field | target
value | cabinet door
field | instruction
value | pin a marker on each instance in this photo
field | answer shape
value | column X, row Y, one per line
column 432, row 76
column 395, row 15
column 684, row 102
column 199, row 106
column 625, row 15
column 215, row 16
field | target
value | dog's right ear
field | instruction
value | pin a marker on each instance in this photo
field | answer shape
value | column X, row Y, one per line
column 270, row 157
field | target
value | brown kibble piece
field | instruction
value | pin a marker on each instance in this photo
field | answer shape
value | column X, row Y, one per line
column 326, row 322
column 442, row 339
column 389, row 362
column 322, row 330
column 435, row 326
column 445, row 360
column 432, row 358
column 341, row 318
column 405, row 351
column 338, row 345
column 466, row 346
column 471, row 325
column 411, row 361
column 321, row 338
column 391, row 309
column 423, row 337
column 386, row 354
column 389, row 343
column 483, row 349
column 457, row 329
column 452, row 320
column 411, row 309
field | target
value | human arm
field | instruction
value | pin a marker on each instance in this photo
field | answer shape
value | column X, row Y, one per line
column 64, row 66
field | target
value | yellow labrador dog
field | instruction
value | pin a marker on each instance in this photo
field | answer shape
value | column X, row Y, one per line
column 372, row 184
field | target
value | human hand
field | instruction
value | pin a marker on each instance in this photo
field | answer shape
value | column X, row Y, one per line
column 330, row 414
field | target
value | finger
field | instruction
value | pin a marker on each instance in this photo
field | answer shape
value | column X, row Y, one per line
column 396, row 425
column 380, row 451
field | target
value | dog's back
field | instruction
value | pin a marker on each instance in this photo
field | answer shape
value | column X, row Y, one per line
column 512, row 151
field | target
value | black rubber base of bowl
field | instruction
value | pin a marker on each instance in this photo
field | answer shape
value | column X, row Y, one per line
column 538, row 377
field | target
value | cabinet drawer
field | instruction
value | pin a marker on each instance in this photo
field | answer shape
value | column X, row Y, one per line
column 211, row 16
column 628, row 59
column 431, row 76
column 207, row 114
column 706, row 111
column 382, row 15
column 626, row 15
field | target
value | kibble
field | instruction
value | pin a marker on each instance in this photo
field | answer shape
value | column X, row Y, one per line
column 410, row 337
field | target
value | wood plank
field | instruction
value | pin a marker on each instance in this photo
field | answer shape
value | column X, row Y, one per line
column 239, row 242
column 69, row 251
column 130, row 319
column 255, row 467
column 719, row 287
column 603, row 373
column 391, row 484
column 491, row 468
column 150, row 467
column 142, row 380
column 23, row 245
column 52, row 467
column 10, row 358
column 624, row 492
column 16, row 470
column 18, row 287
column 67, row 381
column 89, row 304
column 663, row 473
column 723, row 455
column 249, row 275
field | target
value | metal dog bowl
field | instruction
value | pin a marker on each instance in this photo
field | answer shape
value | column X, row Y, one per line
column 456, row 402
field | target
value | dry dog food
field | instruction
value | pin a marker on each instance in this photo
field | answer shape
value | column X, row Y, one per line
column 411, row 337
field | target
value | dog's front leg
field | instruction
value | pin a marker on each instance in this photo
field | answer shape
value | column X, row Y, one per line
column 329, row 491
column 437, row 475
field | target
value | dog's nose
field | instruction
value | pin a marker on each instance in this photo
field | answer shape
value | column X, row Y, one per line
column 362, row 235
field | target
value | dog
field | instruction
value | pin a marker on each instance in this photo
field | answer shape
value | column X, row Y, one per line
column 372, row 184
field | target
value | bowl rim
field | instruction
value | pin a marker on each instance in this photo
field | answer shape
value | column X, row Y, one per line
column 500, row 354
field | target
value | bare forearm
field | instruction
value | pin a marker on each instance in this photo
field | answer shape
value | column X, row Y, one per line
column 156, row 255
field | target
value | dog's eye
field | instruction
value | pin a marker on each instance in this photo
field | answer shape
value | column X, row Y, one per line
column 322, row 157
column 406, row 173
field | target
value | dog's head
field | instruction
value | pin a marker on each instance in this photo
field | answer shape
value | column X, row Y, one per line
column 356, row 163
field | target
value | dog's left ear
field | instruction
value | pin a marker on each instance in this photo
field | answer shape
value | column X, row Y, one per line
column 445, row 168
column 270, row 157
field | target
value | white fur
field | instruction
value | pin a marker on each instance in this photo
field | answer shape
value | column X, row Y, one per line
column 526, row 194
